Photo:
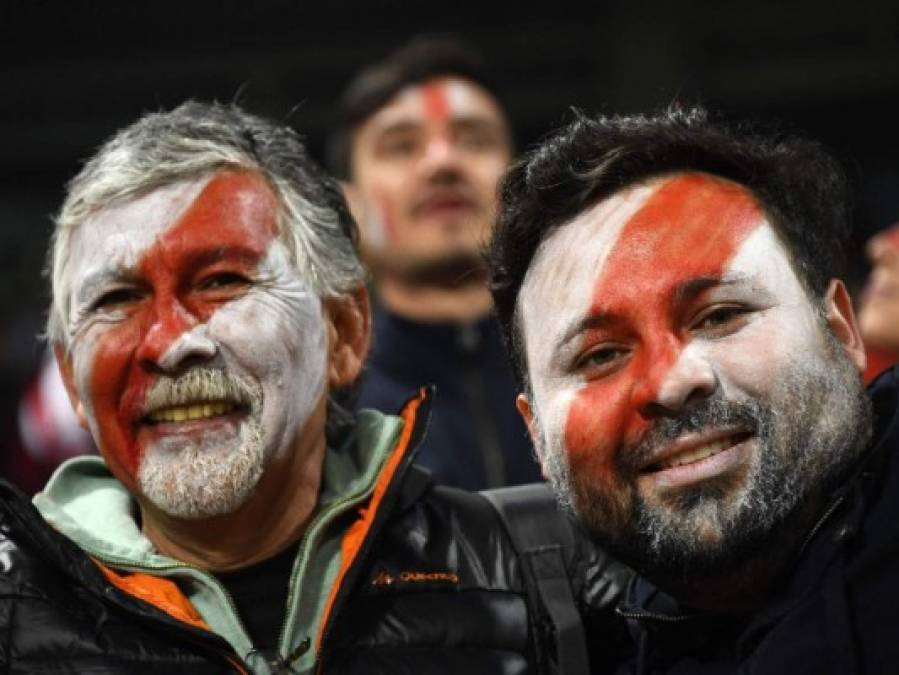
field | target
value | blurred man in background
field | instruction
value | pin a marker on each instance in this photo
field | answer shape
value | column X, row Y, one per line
column 879, row 313
column 422, row 142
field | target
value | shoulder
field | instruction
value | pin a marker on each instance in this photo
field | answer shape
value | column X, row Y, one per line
column 451, row 529
column 441, row 591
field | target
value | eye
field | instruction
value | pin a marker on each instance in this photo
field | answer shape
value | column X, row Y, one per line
column 115, row 299
column 397, row 146
column 601, row 360
column 223, row 280
column 478, row 137
column 722, row 318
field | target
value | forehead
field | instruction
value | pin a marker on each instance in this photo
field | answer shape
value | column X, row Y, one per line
column 673, row 227
column 225, row 206
column 437, row 99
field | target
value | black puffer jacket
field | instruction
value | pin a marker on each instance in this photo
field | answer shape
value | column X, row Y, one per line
column 436, row 587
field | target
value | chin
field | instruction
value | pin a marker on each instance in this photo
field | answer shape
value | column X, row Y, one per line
column 198, row 481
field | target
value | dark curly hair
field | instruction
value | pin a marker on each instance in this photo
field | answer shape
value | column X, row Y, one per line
column 801, row 187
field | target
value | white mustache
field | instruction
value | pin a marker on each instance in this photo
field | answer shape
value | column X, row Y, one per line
column 202, row 385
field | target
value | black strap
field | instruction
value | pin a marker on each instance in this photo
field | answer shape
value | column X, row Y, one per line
column 539, row 533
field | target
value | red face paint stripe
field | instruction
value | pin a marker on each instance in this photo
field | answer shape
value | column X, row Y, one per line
column 691, row 227
column 216, row 221
column 436, row 102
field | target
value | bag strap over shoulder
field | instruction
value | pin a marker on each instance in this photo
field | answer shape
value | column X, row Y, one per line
column 540, row 534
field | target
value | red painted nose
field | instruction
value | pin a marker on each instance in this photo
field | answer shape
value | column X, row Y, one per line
column 689, row 379
column 171, row 320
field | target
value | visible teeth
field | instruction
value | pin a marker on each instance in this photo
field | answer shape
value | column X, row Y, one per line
column 196, row 411
column 699, row 453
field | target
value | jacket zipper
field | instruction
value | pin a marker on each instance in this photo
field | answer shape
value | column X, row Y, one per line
column 821, row 521
column 643, row 614
column 332, row 619
column 336, row 509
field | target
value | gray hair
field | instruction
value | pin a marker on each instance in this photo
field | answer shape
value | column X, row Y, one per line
column 197, row 138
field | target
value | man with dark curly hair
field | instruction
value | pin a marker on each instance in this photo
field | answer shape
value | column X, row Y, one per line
column 670, row 289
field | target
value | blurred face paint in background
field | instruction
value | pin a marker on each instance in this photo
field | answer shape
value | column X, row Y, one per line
column 426, row 167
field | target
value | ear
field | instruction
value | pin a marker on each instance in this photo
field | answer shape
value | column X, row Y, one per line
column 527, row 414
column 349, row 336
column 68, row 379
column 840, row 317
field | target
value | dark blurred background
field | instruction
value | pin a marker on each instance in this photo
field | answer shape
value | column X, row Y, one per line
column 74, row 72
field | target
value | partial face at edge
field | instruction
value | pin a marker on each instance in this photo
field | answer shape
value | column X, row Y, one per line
column 425, row 168
column 197, row 351
column 879, row 313
column 678, row 339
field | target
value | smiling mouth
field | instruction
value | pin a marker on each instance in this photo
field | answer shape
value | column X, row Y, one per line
column 190, row 412
column 698, row 453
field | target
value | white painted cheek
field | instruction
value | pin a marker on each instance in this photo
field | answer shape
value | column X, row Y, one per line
column 783, row 332
column 552, row 408
column 83, row 355
column 277, row 334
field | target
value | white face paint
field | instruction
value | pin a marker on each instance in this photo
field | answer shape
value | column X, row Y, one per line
column 198, row 351
column 562, row 276
column 667, row 298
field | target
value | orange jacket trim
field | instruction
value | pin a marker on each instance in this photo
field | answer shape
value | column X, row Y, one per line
column 163, row 594
column 355, row 535
column 159, row 592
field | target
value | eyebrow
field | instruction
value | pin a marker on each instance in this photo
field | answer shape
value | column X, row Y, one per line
column 686, row 291
column 96, row 280
column 405, row 124
column 197, row 260
column 579, row 326
column 692, row 288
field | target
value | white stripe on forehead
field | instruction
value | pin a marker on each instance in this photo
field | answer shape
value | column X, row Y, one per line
column 458, row 95
column 558, row 287
column 763, row 255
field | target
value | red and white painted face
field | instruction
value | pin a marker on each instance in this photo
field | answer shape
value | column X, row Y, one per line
column 662, row 296
column 425, row 168
column 196, row 349
column 879, row 312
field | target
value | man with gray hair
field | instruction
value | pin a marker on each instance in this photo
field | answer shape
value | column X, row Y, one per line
column 207, row 300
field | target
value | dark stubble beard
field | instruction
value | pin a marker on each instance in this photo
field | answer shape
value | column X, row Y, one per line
column 809, row 431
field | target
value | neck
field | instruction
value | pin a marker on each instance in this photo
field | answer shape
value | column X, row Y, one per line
column 275, row 516
column 435, row 303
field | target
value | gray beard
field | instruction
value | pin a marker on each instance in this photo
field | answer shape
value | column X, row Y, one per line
column 217, row 474
column 809, row 431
